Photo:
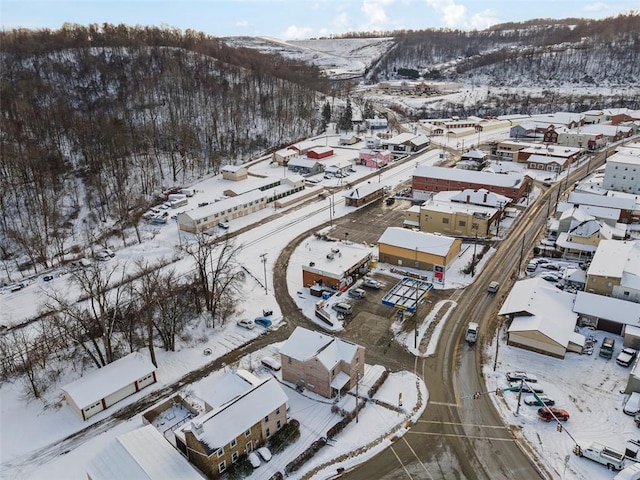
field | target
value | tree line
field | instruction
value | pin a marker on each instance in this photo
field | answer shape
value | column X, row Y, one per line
column 106, row 118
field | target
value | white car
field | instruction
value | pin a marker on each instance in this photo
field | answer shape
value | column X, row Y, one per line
column 518, row 375
column 254, row 460
column 264, row 453
column 371, row 283
column 246, row 323
column 357, row 293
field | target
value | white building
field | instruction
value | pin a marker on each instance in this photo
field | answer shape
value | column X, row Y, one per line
column 622, row 173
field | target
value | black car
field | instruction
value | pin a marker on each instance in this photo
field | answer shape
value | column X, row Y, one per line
column 390, row 200
column 526, row 387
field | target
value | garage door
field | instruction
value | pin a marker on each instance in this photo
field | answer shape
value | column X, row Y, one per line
column 144, row 381
column 120, row 394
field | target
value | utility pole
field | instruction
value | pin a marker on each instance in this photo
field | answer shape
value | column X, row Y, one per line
column 357, row 403
column 521, row 255
column 263, row 259
column 475, row 242
column 519, row 397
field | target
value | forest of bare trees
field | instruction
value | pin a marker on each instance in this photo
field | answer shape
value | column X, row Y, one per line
column 107, row 117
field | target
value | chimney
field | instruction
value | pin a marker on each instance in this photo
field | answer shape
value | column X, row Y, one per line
column 484, row 199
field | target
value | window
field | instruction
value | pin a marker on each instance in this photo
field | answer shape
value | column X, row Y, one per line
column 220, row 452
column 445, row 220
column 278, row 425
column 234, row 457
column 205, row 219
column 278, row 411
column 222, row 466
column 268, row 433
column 266, row 419
column 233, row 443
column 247, row 432
column 462, row 223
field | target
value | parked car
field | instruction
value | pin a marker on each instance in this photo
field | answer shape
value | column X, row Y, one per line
column 262, row 321
column 102, row 256
column 526, row 387
column 254, row 460
column 390, row 201
column 371, row 283
column 224, row 225
column 493, row 287
column 342, row 307
column 47, row 278
column 264, row 453
column 531, row 267
column 547, row 414
column 550, row 266
column 550, row 277
column 109, row 252
column 357, row 293
column 518, row 375
column 546, row 401
column 271, row 363
column 246, row 323
column 626, row 357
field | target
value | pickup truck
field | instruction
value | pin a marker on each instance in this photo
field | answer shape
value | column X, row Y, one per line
column 613, row 459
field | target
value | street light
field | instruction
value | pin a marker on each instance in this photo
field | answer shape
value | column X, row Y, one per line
column 263, row 259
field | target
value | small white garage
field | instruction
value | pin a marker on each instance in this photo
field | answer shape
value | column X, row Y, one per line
column 101, row 388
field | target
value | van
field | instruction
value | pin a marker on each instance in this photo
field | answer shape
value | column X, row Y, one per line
column 342, row 307
column 606, row 349
column 271, row 363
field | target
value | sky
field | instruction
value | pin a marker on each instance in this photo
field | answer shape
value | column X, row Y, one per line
column 300, row 19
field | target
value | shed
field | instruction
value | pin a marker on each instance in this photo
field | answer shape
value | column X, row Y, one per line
column 364, row 194
column 320, row 152
column 234, row 172
column 100, row 389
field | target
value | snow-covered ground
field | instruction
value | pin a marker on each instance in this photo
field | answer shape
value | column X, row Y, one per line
column 585, row 385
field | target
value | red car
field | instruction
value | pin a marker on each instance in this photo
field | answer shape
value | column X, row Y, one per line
column 547, row 414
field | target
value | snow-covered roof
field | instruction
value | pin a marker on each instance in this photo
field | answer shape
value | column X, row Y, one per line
column 100, row 383
column 420, row 140
column 564, row 242
column 363, row 190
column 287, row 152
column 545, row 159
column 475, row 155
column 538, row 305
column 575, row 213
column 412, row 240
column 607, row 308
column 606, row 130
column 223, row 205
column 612, row 256
column 327, row 262
column 511, row 180
column 575, row 275
column 305, row 344
column 481, row 196
column 321, row 150
column 303, row 162
column 400, row 139
column 300, row 146
column 223, row 424
column 552, row 151
column 233, row 168
column 235, row 188
column 624, row 159
column 229, row 387
column 142, row 454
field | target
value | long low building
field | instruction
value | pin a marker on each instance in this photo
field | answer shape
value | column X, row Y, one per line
column 427, row 180
column 100, row 389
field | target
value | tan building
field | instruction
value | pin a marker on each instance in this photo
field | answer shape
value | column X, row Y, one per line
column 282, row 157
column 541, row 318
column 234, row 172
column 423, row 251
column 214, row 440
column 615, row 269
column 320, row 363
column 461, row 213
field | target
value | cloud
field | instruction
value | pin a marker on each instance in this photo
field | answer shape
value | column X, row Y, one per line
column 482, row 20
column 242, row 23
column 596, row 7
column 341, row 21
column 453, row 14
column 375, row 13
column 296, row 33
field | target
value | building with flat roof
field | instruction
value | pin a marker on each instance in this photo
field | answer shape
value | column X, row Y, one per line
column 422, row 251
column 622, row 173
column 427, row 180
column 615, row 270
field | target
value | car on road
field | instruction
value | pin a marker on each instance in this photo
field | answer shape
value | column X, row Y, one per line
column 342, row 307
column 371, row 283
column 548, row 413
column 357, row 293
column 493, row 287
column 264, row 453
column 626, row 357
column 262, row 321
column 546, row 401
column 246, row 323
column 518, row 375
column 254, row 460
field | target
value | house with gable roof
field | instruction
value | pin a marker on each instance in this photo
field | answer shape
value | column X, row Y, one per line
column 142, row 454
column 216, row 439
column 323, row 364
column 541, row 318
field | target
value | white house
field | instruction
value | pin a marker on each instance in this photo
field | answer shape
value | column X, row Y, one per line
column 622, row 173
column 100, row 389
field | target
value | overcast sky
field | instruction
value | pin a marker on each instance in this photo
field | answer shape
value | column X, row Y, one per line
column 298, row 19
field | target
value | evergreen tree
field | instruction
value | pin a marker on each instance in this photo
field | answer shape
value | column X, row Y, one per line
column 345, row 123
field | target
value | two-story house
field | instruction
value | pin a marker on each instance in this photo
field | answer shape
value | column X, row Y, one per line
column 216, row 439
column 320, row 363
